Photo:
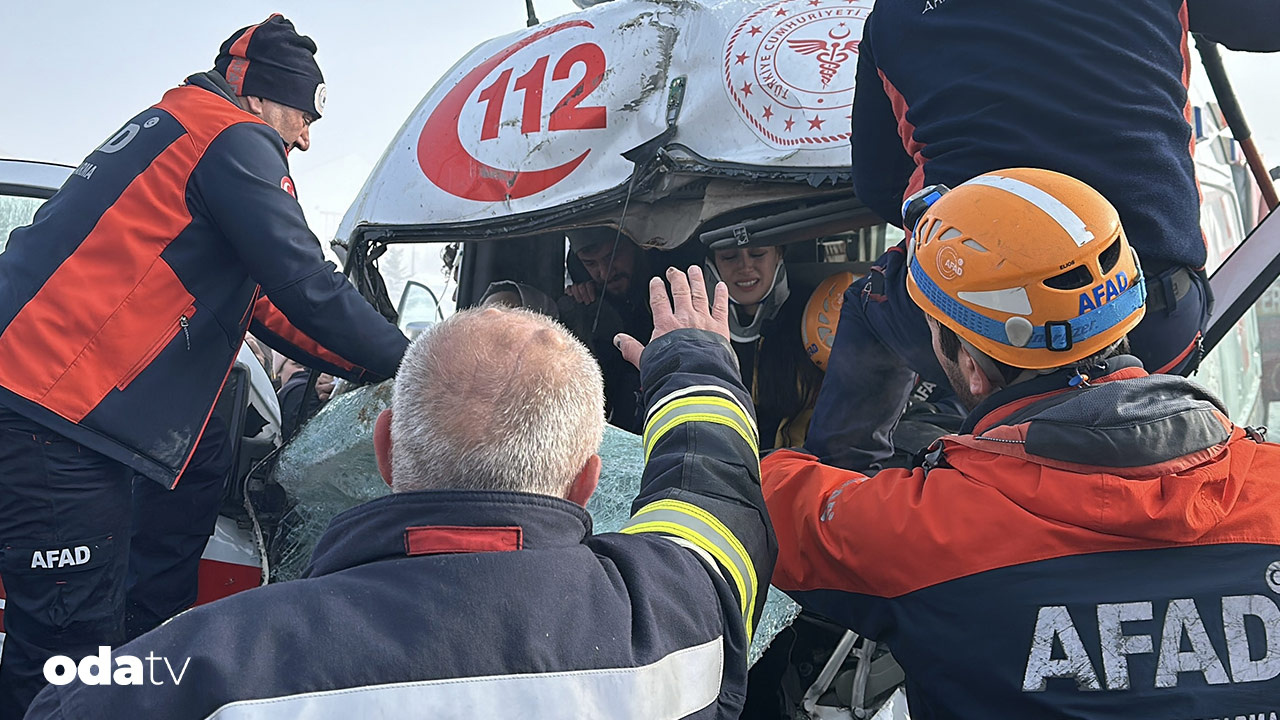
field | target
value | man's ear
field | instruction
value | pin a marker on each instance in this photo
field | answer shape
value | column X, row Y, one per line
column 980, row 385
column 585, row 483
column 251, row 104
column 382, row 444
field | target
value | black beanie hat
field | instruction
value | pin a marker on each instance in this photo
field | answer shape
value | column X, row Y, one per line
column 271, row 60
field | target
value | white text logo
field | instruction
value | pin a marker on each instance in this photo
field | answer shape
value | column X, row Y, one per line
column 60, row 557
column 1057, row 650
column 96, row 669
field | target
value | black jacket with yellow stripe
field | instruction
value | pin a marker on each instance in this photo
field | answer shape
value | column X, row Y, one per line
column 475, row 604
column 123, row 304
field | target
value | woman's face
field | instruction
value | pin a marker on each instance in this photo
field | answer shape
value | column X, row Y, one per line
column 748, row 272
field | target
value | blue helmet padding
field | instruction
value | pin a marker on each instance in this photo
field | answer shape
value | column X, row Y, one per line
column 1082, row 327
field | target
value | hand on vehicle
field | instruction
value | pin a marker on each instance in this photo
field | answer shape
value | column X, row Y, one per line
column 583, row 292
column 324, row 386
column 687, row 308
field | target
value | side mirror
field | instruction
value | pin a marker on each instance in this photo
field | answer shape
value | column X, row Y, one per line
column 418, row 309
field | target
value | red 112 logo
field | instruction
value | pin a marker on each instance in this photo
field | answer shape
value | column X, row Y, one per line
column 566, row 115
column 452, row 168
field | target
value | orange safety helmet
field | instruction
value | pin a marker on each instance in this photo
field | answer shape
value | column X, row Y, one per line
column 1028, row 266
column 821, row 315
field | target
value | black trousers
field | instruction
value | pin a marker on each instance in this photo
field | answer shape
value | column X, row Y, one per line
column 64, row 538
column 132, row 547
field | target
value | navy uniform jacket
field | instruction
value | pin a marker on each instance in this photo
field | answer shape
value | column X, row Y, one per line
column 467, row 604
column 1107, row 552
column 1096, row 89
column 123, row 305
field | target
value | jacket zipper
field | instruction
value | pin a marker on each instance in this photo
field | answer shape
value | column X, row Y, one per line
column 181, row 325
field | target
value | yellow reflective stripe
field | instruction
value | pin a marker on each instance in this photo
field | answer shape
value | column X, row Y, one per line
column 720, row 529
column 683, row 531
column 682, row 419
column 691, row 390
column 729, row 551
column 703, row 408
column 714, row 400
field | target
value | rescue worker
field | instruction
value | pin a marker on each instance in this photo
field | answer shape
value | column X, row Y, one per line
column 476, row 589
column 1097, row 542
column 122, row 307
column 612, row 302
column 1094, row 89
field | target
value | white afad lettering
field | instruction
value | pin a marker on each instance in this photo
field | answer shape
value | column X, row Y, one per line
column 1057, row 651
column 61, row 557
column 1182, row 618
column 1055, row 622
column 1243, row 667
column 1116, row 646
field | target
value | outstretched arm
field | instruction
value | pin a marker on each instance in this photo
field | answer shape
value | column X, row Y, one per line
column 701, row 483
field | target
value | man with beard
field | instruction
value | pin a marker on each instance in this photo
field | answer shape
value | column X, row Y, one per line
column 614, row 301
column 1094, row 538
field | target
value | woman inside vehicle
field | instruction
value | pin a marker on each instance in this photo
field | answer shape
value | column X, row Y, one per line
column 765, row 315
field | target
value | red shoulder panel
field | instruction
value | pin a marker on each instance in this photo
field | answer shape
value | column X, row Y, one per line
column 901, row 531
column 124, row 297
column 204, row 115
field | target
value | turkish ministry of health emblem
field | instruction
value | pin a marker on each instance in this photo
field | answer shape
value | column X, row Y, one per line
column 789, row 70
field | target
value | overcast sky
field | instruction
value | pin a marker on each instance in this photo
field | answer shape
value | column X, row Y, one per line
column 72, row 71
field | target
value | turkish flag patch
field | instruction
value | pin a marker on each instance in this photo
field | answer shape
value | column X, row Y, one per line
column 286, row 184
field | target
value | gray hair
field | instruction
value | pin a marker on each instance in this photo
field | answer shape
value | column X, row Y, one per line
column 495, row 399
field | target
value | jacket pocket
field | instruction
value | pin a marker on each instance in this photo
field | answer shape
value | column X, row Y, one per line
column 178, row 326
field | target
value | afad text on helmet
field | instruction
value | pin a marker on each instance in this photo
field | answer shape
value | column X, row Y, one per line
column 1103, row 293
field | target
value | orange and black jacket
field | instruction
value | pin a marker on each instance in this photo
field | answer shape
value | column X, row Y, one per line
column 1105, row 551
column 123, row 304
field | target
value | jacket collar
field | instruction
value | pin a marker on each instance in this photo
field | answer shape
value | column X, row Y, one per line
column 1146, row 425
column 214, row 83
column 1002, row 404
column 378, row 530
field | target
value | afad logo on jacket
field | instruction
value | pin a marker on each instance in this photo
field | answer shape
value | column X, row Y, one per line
column 286, row 184
column 1183, row 644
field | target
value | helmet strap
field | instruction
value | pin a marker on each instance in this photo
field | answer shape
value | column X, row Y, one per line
column 984, row 363
column 996, row 378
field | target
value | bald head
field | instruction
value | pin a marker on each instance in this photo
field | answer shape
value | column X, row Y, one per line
column 495, row 399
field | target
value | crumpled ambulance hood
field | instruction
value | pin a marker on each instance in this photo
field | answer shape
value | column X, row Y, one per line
column 549, row 116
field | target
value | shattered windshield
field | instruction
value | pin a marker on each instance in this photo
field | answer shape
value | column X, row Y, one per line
column 15, row 211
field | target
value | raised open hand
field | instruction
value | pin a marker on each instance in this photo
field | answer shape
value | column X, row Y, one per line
column 688, row 307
